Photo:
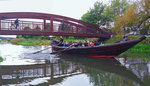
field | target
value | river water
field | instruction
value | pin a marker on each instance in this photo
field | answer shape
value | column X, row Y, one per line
column 23, row 68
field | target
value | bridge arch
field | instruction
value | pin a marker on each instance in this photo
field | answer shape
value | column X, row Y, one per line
column 51, row 25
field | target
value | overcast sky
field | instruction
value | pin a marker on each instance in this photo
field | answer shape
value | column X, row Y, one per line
column 70, row 8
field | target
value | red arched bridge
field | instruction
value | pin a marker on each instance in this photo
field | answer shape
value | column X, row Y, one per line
column 47, row 24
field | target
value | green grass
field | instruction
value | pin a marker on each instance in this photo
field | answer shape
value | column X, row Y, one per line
column 1, row 59
column 138, row 51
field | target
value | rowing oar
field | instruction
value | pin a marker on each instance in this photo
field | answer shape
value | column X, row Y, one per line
column 57, row 52
column 41, row 50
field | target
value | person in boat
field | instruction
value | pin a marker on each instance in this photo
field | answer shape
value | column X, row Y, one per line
column 96, row 43
column 64, row 44
column 91, row 43
column 75, row 44
column 125, row 37
column 69, row 44
column 60, row 41
column 85, row 43
column 101, row 44
column 79, row 44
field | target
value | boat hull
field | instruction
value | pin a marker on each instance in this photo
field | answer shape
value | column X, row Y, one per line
column 107, row 51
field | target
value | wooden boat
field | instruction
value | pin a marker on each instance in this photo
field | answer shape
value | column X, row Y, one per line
column 107, row 51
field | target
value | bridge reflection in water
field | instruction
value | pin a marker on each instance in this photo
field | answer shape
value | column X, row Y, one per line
column 102, row 72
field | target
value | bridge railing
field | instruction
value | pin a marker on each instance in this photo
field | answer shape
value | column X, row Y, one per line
column 23, row 25
column 57, row 27
column 39, row 26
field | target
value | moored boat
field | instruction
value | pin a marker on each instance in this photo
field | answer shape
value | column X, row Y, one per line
column 107, row 51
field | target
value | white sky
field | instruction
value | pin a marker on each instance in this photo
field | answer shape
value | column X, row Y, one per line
column 70, row 8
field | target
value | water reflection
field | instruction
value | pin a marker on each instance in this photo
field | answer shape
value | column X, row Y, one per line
column 101, row 72
column 44, row 69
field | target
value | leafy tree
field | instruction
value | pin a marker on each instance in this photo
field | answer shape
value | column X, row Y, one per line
column 129, row 19
column 117, row 7
column 143, row 10
column 95, row 15
column 136, row 18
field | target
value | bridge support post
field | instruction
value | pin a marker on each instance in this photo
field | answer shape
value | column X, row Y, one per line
column 44, row 24
column 86, row 29
column 51, row 25
column 0, row 24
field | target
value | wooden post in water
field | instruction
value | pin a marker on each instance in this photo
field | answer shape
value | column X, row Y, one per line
column 52, row 71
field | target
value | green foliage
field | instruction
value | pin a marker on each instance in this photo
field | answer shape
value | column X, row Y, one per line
column 32, row 37
column 17, row 40
column 41, row 42
column 117, row 7
column 95, row 15
column 135, row 18
column 114, row 39
column 1, row 59
column 29, row 42
column 138, row 51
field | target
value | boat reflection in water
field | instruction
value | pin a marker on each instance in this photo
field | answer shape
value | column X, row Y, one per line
column 101, row 72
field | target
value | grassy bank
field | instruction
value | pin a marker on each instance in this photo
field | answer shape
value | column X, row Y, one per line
column 1, row 59
column 138, row 51
column 30, row 42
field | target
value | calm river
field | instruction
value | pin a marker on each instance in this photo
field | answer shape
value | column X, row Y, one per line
column 23, row 68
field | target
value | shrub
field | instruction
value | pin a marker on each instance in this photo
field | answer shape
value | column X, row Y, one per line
column 17, row 40
column 41, row 42
column 1, row 59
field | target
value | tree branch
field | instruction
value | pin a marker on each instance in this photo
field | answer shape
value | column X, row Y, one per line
column 141, row 22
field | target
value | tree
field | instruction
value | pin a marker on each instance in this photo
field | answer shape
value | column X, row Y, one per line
column 129, row 19
column 114, row 9
column 144, row 16
column 136, row 18
column 95, row 15
column 117, row 7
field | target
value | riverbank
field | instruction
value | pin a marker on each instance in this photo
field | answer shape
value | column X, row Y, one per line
column 30, row 42
column 138, row 51
column 34, row 42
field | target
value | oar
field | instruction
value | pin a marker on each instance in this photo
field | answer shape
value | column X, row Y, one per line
column 57, row 52
column 41, row 50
